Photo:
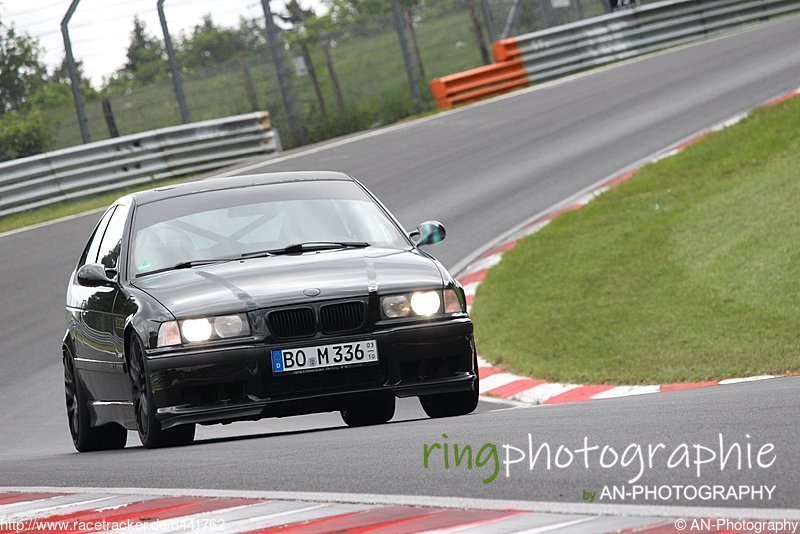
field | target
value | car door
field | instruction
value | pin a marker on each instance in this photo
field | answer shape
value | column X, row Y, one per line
column 102, row 357
column 77, row 299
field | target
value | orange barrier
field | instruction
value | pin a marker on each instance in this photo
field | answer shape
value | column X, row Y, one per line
column 476, row 84
column 506, row 49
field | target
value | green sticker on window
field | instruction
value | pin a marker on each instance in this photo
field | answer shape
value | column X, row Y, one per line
column 144, row 265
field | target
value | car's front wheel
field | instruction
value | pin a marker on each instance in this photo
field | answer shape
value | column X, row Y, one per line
column 151, row 434
column 85, row 437
column 372, row 410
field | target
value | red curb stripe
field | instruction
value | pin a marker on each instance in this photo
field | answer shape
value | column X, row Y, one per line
column 471, row 278
column 470, row 298
column 780, row 99
column 499, row 249
column 687, row 385
column 357, row 521
column 140, row 511
column 11, row 498
column 444, row 519
column 578, row 394
column 619, row 179
column 484, row 372
column 512, row 388
column 693, row 140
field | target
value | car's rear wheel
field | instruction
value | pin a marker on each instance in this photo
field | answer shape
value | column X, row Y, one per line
column 451, row 404
column 85, row 437
column 151, row 434
column 372, row 410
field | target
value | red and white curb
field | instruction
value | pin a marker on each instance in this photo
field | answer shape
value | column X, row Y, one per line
column 116, row 510
column 497, row 383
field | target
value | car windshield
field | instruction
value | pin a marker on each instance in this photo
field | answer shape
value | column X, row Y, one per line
column 230, row 223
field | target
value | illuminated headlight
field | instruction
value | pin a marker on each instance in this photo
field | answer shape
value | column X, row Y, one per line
column 203, row 329
column 426, row 303
column 195, row 330
column 423, row 303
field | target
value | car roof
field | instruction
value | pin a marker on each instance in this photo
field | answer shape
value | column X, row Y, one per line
column 234, row 182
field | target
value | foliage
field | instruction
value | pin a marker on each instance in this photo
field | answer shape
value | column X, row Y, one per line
column 21, row 69
column 209, row 44
column 22, row 135
column 145, row 60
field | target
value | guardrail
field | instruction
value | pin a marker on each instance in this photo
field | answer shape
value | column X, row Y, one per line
column 582, row 45
column 132, row 160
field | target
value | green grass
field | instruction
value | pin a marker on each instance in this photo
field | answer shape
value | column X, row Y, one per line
column 687, row 272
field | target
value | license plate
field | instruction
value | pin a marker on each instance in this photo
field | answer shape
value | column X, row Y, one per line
column 324, row 356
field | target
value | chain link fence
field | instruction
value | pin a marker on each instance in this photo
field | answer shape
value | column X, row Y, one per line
column 346, row 70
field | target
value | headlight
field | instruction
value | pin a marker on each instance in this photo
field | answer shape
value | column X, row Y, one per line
column 426, row 303
column 422, row 303
column 213, row 328
column 195, row 330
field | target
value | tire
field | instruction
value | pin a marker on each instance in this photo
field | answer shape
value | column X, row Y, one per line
column 451, row 404
column 373, row 410
column 151, row 434
column 85, row 437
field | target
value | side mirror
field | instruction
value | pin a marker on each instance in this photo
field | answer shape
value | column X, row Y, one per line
column 94, row 275
column 430, row 233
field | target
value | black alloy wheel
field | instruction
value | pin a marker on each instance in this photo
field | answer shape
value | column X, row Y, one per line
column 85, row 437
column 151, row 434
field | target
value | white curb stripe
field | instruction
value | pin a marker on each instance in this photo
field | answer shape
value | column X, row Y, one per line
column 484, row 263
column 550, row 528
column 746, row 379
column 627, row 391
column 539, row 394
column 65, row 504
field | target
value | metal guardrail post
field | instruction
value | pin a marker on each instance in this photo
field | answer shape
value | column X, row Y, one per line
column 74, row 78
column 175, row 71
column 397, row 13
column 487, row 17
column 284, row 78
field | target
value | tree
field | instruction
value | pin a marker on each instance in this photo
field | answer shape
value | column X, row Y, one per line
column 21, row 69
column 145, row 59
column 209, row 44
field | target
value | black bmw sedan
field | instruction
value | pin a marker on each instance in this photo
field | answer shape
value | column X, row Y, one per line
column 258, row 296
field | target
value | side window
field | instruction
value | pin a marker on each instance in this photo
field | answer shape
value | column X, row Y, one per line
column 112, row 240
column 90, row 254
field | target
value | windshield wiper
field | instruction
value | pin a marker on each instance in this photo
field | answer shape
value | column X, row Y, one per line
column 308, row 246
column 186, row 265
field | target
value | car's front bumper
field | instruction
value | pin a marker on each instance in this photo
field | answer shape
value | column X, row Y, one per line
column 234, row 383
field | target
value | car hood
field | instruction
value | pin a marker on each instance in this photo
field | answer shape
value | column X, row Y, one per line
column 279, row 280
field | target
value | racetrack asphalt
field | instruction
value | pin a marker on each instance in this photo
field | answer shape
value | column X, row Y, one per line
column 480, row 170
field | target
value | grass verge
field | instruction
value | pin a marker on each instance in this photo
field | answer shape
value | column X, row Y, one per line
column 689, row 271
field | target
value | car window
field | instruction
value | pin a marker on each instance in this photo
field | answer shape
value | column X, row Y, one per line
column 231, row 222
column 112, row 240
column 90, row 253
